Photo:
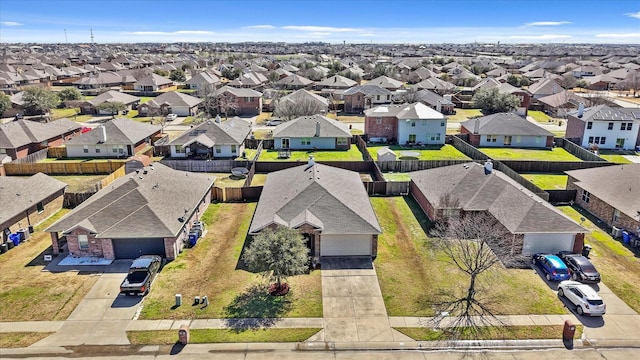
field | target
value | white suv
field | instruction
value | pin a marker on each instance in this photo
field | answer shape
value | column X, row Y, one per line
column 583, row 296
column 172, row 117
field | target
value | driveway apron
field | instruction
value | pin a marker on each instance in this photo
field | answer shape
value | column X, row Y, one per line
column 353, row 307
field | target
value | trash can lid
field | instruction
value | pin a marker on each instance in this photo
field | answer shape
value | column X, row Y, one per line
column 587, row 246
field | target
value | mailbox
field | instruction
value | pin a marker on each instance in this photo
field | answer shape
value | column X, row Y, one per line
column 568, row 333
column 183, row 334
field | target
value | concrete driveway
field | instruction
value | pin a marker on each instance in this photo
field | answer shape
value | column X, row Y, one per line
column 102, row 316
column 353, row 308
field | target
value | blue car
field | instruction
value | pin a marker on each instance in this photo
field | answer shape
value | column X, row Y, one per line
column 553, row 267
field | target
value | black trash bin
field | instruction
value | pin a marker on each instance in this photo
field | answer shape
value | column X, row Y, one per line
column 586, row 250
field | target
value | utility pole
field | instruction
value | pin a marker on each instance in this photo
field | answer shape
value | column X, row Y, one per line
column 65, row 35
column 91, row 35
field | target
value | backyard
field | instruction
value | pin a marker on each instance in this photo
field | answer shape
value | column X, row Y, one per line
column 412, row 272
column 79, row 183
column 617, row 157
column 437, row 152
column 464, row 115
column 548, row 181
column 353, row 154
column 555, row 154
column 232, row 291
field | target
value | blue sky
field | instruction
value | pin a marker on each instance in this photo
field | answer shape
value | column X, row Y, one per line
column 334, row 21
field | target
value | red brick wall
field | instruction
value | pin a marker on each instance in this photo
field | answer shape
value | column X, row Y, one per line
column 425, row 205
column 549, row 143
column 51, row 205
column 473, row 139
column 388, row 127
column 249, row 107
column 575, row 128
column 353, row 103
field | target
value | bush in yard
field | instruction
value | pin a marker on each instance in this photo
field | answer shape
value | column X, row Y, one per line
column 277, row 254
column 491, row 101
column 70, row 93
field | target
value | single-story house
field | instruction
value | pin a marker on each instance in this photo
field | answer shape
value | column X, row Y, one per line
column 562, row 103
column 212, row 139
column 148, row 213
column 328, row 205
column 304, row 96
column 151, row 83
column 23, row 137
column 26, row 201
column 312, row 132
column 203, row 81
column 90, row 106
column 172, row 102
column 336, row 82
column 410, row 124
column 604, row 127
column 436, row 102
column 506, row 129
column 611, row 193
column 116, row 138
column 536, row 226
column 294, row 82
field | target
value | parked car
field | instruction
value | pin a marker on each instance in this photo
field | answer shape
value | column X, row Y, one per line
column 581, row 268
column 583, row 296
column 274, row 122
column 171, row 117
column 553, row 268
column 141, row 274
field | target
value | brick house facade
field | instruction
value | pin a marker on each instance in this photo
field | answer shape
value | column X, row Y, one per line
column 33, row 215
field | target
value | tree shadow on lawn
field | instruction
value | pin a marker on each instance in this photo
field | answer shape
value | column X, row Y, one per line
column 255, row 308
column 425, row 223
column 240, row 265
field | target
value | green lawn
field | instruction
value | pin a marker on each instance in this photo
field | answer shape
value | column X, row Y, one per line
column 548, row 181
column 63, row 113
column 397, row 176
column 213, row 268
column 79, row 183
column 539, row 116
column 616, row 156
column 494, row 333
column 205, row 336
column 555, row 154
column 464, row 115
column 444, row 152
column 144, row 99
column 352, row 154
column 618, row 265
column 412, row 272
column 259, row 179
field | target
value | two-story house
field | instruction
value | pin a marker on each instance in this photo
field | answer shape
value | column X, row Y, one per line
column 603, row 126
column 411, row 124
column 246, row 102
column 362, row 97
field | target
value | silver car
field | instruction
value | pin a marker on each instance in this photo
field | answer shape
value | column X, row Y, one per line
column 583, row 296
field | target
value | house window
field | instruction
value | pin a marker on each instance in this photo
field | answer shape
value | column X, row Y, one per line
column 248, row 99
column 492, row 138
column 412, row 138
column 623, row 126
column 378, row 97
column 585, row 196
column 341, row 141
column 83, row 242
column 233, row 149
column 85, row 149
column 590, row 140
column 597, row 140
column 378, row 120
column 388, row 97
column 616, row 216
column 305, row 141
column 115, row 149
column 589, row 125
column 602, row 140
column 97, row 150
column 442, row 123
column 518, row 139
column 629, row 126
column 413, row 124
column 610, row 126
column 180, row 149
column 538, row 139
column 435, row 137
column 507, row 140
column 218, row 149
column 40, row 207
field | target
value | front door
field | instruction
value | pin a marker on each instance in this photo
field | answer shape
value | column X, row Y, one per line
column 285, row 143
column 619, row 143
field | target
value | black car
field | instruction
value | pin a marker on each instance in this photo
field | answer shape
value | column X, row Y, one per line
column 581, row 268
column 141, row 274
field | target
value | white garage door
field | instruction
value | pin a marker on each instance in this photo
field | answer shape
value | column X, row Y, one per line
column 345, row 245
column 547, row 243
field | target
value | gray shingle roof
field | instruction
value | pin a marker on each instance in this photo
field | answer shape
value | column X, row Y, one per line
column 406, row 111
column 367, row 90
column 19, row 193
column 386, row 82
column 505, row 124
column 618, row 186
column 238, row 92
column 153, row 80
column 603, row 113
column 119, row 131
column 22, row 132
column 326, row 197
column 337, row 81
column 518, row 209
column 174, row 98
column 230, row 132
column 302, row 94
column 140, row 205
column 114, row 96
column 305, row 126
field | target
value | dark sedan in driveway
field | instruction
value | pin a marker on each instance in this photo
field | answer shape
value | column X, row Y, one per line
column 581, row 268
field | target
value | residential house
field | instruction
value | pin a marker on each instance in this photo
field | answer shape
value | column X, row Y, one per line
column 406, row 124
column 327, row 205
column 152, row 83
column 440, row 104
column 27, row 201
column 247, row 102
column 23, row 137
column 436, row 85
column 386, row 82
column 506, row 130
column 536, row 226
column 90, row 106
column 562, row 103
column 148, row 213
column 312, row 132
column 103, row 80
column 203, row 81
column 249, row 80
column 604, row 127
column 172, row 102
column 294, row 82
column 212, row 139
column 544, row 87
column 303, row 96
column 362, row 97
column 610, row 193
column 336, row 82
column 116, row 138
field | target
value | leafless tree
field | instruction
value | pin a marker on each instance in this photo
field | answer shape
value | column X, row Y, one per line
column 225, row 104
column 411, row 96
column 473, row 242
column 217, row 103
column 288, row 110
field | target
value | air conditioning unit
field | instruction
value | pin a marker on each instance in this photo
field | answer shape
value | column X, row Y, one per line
column 616, row 232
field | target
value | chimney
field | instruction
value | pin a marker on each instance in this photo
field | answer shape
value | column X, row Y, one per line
column 317, row 129
column 310, row 162
column 103, row 134
column 580, row 109
column 476, row 126
column 439, row 106
column 488, row 167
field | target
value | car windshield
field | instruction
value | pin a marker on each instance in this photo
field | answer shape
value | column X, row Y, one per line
column 595, row 302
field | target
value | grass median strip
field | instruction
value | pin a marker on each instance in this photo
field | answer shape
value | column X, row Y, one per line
column 203, row 336
column 21, row 339
column 535, row 332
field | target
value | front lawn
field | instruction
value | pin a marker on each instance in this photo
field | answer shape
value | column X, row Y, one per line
column 436, row 152
column 412, row 272
column 464, row 115
column 548, row 181
column 206, row 336
column 30, row 294
column 353, row 154
column 555, row 154
column 494, row 333
column 21, row 339
column 618, row 265
column 212, row 268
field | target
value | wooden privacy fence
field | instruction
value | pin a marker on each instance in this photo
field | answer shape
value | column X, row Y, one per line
column 64, row 168
column 561, row 196
column 57, row 152
column 236, row 194
column 415, row 165
column 32, row 158
column 498, row 165
column 73, row 199
column 577, row 151
column 205, row 165
column 468, row 149
column 551, row 167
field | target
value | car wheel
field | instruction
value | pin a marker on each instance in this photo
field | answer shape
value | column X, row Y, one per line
column 148, row 288
column 579, row 310
column 560, row 292
column 548, row 277
column 533, row 261
column 574, row 276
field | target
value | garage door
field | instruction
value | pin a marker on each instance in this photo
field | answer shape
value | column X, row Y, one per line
column 547, row 243
column 345, row 245
column 132, row 248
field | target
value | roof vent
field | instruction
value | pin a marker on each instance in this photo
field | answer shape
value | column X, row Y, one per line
column 580, row 109
column 488, row 167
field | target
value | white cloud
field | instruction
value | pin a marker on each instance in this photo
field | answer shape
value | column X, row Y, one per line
column 11, row 23
column 179, row 32
column 547, row 23
column 540, row 37
column 634, row 15
column 624, row 35
column 260, row 27
column 320, row 28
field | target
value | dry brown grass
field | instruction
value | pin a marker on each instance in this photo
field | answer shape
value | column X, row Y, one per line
column 27, row 292
column 21, row 339
column 212, row 268
column 79, row 183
